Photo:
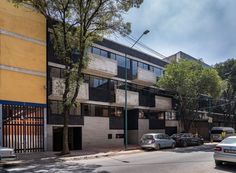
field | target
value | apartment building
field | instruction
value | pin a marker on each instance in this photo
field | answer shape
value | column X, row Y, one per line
column 98, row 121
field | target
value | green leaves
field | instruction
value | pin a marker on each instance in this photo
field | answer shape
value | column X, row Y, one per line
column 190, row 79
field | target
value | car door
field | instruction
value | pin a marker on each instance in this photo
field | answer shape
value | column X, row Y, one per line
column 161, row 140
column 169, row 141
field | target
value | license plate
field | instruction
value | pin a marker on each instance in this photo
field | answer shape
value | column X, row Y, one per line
column 230, row 151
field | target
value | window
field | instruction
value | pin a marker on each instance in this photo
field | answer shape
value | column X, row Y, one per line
column 158, row 71
column 134, row 68
column 101, row 111
column 113, row 56
column 104, row 53
column 121, row 61
column 56, row 72
column 96, row 51
column 55, row 107
column 96, row 82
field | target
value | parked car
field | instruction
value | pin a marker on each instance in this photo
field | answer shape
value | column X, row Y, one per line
column 216, row 133
column 225, row 151
column 7, row 154
column 187, row 139
column 156, row 141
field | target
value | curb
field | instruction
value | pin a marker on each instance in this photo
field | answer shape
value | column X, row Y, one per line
column 101, row 155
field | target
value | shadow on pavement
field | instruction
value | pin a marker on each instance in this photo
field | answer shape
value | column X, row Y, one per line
column 51, row 165
column 228, row 167
column 189, row 149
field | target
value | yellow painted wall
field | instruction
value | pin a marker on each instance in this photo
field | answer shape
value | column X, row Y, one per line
column 22, row 21
column 23, row 54
column 22, row 87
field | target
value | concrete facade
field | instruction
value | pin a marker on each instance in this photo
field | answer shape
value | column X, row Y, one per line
column 101, row 66
column 132, row 97
column 145, row 77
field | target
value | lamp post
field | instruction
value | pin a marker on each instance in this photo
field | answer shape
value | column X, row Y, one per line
column 126, row 118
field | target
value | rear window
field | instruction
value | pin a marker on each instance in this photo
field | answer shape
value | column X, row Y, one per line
column 216, row 131
column 229, row 141
column 147, row 137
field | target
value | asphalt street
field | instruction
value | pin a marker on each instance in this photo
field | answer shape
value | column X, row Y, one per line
column 197, row 159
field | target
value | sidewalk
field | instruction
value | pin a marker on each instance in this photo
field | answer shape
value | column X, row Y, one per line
column 87, row 153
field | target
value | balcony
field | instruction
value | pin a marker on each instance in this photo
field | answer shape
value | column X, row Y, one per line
column 163, row 103
column 132, row 97
column 58, row 89
column 145, row 77
column 101, row 66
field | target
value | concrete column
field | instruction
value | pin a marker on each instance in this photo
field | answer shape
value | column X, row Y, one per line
column 1, row 125
column 45, row 128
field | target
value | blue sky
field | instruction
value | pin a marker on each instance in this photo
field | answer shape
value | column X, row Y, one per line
column 201, row 28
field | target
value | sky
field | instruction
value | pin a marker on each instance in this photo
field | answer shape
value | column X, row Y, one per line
column 204, row 29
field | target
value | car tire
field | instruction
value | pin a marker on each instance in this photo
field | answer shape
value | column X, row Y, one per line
column 218, row 162
column 157, row 147
column 173, row 145
column 184, row 144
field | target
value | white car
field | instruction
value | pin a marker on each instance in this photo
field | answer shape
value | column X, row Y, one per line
column 7, row 154
column 225, row 151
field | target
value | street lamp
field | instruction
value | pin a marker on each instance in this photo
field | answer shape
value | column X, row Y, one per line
column 126, row 118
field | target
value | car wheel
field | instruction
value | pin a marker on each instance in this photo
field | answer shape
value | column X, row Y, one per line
column 200, row 142
column 184, row 144
column 173, row 145
column 218, row 163
column 157, row 147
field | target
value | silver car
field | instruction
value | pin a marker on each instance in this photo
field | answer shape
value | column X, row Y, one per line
column 7, row 154
column 156, row 141
column 225, row 151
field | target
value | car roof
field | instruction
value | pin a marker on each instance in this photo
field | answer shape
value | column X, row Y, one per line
column 222, row 128
column 232, row 137
column 152, row 133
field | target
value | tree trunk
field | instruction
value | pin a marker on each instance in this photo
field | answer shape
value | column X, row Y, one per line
column 65, row 149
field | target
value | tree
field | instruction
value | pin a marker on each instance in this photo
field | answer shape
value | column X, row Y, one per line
column 76, row 25
column 190, row 80
column 227, row 71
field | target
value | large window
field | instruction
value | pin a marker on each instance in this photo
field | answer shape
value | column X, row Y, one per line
column 121, row 61
column 101, row 111
column 96, row 82
column 56, row 72
column 56, row 107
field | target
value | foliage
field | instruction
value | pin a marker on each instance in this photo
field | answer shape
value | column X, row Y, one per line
column 190, row 80
column 75, row 25
column 227, row 71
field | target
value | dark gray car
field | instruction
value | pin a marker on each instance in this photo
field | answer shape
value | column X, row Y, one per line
column 156, row 141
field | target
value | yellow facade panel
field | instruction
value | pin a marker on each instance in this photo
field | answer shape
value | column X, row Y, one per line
column 23, row 54
column 23, row 21
column 15, row 86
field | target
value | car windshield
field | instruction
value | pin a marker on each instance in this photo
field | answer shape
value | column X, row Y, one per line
column 147, row 137
column 216, row 131
column 229, row 141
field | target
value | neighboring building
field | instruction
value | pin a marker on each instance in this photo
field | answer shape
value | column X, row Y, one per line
column 181, row 55
column 22, row 78
column 98, row 121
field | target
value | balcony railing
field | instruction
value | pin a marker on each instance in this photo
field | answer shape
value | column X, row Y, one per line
column 145, row 77
column 58, row 119
column 132, row 97
column 58, row 88
column 100, row 66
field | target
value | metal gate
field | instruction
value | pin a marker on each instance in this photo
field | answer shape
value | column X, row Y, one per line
column 23, row 128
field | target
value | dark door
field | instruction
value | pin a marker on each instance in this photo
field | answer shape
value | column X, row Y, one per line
column 77, row 138
column 171, row 130
column 74, row 138
column 57, row 138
